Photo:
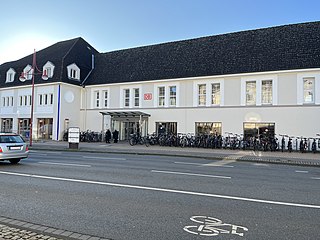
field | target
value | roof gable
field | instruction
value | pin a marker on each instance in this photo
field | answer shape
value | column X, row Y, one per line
column 60, row 55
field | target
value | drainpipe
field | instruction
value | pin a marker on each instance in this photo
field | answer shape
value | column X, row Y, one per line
column 59, row 107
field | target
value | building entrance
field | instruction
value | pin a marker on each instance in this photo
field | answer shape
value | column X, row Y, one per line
column 24, row 127
column 44, row 127
column 126, row 123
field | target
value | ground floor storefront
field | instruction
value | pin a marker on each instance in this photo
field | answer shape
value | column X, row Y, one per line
column 42, row 128
column 248, row 122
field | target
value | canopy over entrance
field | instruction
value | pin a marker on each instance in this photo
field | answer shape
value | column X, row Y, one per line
column 126, row 114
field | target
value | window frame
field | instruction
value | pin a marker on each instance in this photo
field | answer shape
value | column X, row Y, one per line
column 172, row 95
column 251, row 93
column 105, row 98
column 308, row 90
column 126, row 97
column 10, row 75
column 161, row 96
column 136, row 97
column 266, row 93
column 214, row 95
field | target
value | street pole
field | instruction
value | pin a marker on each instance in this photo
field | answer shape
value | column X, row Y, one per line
column 32, row 94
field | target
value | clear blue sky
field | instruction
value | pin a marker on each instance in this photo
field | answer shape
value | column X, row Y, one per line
column 119, row 24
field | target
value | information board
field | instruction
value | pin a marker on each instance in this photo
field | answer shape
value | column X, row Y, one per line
column 74, row 135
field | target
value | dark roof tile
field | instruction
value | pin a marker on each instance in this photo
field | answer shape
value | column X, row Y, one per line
column 270, row 49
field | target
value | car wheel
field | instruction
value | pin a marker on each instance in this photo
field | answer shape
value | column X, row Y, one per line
column 14, row 161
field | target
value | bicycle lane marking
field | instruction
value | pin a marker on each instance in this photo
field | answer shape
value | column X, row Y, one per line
column 161, row 190
column 209, row 227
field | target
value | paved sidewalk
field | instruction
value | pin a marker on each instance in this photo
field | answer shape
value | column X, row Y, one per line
column 11, row 229
column 294, row 158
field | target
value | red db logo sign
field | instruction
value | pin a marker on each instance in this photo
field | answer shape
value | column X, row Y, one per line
column 147, row 96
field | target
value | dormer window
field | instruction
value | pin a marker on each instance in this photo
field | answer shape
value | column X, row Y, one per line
column 73, row 72
column 10, row 75
column 48, row 70
column 27, row 73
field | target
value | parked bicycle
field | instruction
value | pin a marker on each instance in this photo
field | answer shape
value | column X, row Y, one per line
column 136, row 138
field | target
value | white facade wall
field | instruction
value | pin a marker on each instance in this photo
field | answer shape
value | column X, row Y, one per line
column 287, row 110
column 65, row 105
column 75, row 106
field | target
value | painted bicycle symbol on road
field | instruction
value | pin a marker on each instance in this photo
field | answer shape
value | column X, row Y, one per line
column 209, row 226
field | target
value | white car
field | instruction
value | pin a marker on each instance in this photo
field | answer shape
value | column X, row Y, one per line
column 13, row 148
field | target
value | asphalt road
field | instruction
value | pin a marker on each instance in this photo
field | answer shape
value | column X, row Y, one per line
column 157, row 197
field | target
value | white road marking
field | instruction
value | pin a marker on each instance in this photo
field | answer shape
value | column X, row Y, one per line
column 205, row 164
column 105, row 158
column 163, row 190
column 190, row 174
column 260, row 164
column 65, row 164
column 315, row 178
column 297, row 171
column 51, row 152
column 186, row 163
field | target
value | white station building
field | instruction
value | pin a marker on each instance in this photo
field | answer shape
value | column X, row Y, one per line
column 248, row 82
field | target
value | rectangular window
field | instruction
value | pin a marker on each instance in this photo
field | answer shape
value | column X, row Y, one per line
column 136, row 97
column 40, row 99
column 251, row 93
column 215, row 94
column 48, row 71
column 173, row 95
column 308, row 90
column 202, row 94
column 97, row 98
column 10, row 77
column 30, row 100
column 161, row 96
column 266, row 92
column 73, row 73
column 8, row 102
column 126, row 97
column 25, row 103
column 20, row 100
column 3, row 102
column 209, row 128
column 105, row 98
column 51, row 99
column 45, row 99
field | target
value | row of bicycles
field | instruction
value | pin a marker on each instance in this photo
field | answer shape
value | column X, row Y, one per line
column 279, row 142
column 87, row 136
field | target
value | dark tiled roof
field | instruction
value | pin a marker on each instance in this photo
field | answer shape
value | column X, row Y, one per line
column 61, row 55
column 287, row 47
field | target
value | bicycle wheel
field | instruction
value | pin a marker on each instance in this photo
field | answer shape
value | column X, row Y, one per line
column 132, row 141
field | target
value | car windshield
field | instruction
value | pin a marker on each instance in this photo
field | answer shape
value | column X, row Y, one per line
column 11, row 139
